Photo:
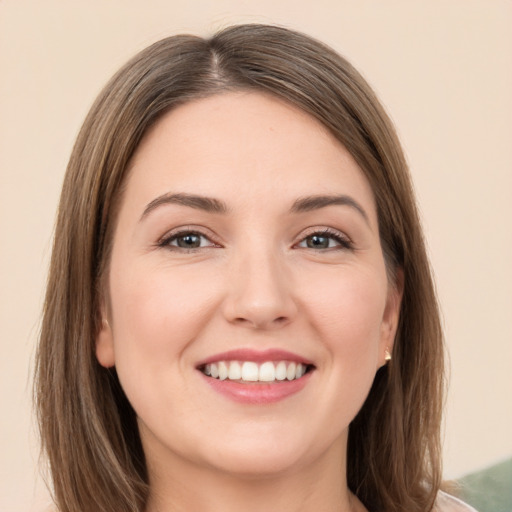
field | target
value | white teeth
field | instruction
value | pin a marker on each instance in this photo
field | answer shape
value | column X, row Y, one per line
column 290, row 372
column 267, row 372
column 249, row 371
column 281, row 371
column 223, row 370
column 235, row 371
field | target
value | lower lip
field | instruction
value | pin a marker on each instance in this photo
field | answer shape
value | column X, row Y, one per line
column 258, row 392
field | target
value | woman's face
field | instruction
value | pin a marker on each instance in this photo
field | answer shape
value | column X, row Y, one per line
column 246, row 253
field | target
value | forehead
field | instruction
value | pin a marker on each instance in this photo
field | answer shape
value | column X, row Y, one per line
column 243, row 145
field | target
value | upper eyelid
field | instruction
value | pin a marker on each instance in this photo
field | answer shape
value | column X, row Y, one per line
column 183, row 230
column 343, row 241
column 176, row 236
column 323, row 230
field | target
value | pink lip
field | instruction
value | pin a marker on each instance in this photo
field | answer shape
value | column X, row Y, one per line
column 256, row 356
column 257, row 392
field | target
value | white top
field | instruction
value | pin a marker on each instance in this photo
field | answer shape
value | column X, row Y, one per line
column 447, row 503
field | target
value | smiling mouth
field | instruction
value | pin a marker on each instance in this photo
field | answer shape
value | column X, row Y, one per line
column 250, row 371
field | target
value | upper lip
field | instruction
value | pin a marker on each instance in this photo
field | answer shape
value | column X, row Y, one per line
column 256, row 356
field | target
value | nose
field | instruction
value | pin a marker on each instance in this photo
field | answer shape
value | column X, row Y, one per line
column 260, row 293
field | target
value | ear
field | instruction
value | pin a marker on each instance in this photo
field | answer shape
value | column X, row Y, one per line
column 391, row 317
column 105, row 345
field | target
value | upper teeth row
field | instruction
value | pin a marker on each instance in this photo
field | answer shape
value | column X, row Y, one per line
column 253, row 372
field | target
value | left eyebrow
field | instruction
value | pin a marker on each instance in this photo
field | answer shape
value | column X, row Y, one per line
column 309, row 203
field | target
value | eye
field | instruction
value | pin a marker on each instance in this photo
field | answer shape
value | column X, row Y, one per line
column 325, row 239
column 187, row 240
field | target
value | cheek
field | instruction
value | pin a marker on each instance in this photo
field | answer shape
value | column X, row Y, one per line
column 347, row 313
column 350, row 302
column 156, row 300
column 156, row 315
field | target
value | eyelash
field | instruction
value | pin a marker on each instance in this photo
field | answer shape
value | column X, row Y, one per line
column 343, row 243
column 166, row 241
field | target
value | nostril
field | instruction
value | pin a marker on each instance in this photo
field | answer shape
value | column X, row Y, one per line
column 261, row 322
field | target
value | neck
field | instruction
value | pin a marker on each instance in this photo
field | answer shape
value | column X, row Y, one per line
column 185, row 487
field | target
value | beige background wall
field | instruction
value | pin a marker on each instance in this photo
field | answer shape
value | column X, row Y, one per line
column 444, row 71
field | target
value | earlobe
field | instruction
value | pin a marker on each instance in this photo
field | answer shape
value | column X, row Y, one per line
column 105, row 345
column 391, row 317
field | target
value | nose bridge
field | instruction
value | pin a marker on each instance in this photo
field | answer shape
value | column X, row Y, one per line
column 260, row 294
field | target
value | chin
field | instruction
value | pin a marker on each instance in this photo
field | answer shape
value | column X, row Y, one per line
column 269, row 454
column 249, row 464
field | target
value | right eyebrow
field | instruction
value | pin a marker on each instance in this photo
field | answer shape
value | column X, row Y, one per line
column 208, row 204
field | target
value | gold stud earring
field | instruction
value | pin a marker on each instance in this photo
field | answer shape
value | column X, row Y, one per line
column 387, row 355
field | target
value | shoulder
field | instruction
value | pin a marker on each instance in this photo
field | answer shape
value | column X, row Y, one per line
column 447, row 503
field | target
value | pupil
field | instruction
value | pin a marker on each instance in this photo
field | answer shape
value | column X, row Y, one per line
column 318, row 242
column 189, row 241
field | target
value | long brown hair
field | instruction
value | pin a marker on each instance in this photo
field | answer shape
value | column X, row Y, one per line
column 88, row 428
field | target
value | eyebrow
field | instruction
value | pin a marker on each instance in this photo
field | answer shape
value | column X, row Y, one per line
column 309, row 203
column 208, row 204
column 212, row 205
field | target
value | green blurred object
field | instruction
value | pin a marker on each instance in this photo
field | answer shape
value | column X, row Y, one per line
column 489, row 490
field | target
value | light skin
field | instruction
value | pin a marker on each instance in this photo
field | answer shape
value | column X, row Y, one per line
column 284, row 254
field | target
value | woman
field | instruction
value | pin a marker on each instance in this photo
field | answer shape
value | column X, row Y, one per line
column 240, row 312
